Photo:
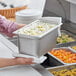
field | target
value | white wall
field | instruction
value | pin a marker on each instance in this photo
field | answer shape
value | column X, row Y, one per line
column 55, row 7
column 72, row 1
column 37, row 4
column 69, row 6
column 73, row 12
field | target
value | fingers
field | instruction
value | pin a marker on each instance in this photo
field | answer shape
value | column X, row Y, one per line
column 20, row 25
column 24, row 61
column 28, row 61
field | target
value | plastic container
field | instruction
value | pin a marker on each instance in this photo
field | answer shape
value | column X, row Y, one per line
column 41, row 44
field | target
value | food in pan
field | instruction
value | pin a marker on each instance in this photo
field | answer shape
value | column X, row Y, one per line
column 64, row 38
column 73, row 47
column 65, row 55
column 73, row 71
column 64, row 72
column 36, row 29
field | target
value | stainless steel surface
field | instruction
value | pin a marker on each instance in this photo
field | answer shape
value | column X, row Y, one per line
column 62, row 67
column 34, row 70
column 69, row 33
column 42, row 70
column 69, row 26
column 25, row 70
column 68, row 44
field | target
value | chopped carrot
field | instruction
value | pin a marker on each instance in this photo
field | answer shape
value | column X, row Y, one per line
column 65, row 55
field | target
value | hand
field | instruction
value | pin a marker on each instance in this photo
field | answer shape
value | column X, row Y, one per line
column 4, row 62
column 24, row 61
column 20, row 25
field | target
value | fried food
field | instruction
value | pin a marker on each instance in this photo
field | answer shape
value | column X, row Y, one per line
column 65, row 72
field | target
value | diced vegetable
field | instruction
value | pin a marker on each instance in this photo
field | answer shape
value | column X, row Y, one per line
column 65, row 55
column 64, row 38
column 64, row 72
column 37, row 29
column 73, row 47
